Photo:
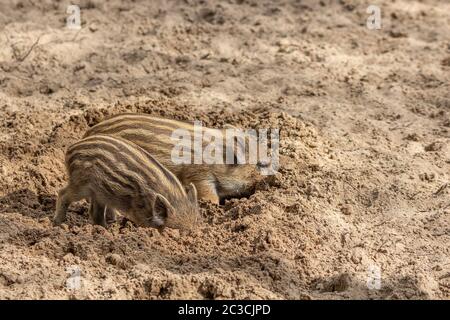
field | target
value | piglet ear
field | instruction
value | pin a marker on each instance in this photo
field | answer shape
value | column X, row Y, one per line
column 192, row 193
column 161, row 210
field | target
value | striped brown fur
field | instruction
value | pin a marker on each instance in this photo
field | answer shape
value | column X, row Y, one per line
column 214, row 182
column 113, row 172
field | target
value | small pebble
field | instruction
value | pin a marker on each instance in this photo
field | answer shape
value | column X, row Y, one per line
column 347, row 209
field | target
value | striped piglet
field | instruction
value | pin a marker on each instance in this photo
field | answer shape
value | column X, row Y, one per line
column 112, row 172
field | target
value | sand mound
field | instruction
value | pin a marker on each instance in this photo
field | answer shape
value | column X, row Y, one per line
column 247, row 242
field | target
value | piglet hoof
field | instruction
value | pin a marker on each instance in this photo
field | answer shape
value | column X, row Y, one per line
column 111, row 218
column 161, row 229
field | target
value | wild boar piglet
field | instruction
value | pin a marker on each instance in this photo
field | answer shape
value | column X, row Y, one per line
column 117, row 174
column 214, row 182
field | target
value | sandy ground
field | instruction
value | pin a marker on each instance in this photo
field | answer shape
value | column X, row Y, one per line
column 365, row 130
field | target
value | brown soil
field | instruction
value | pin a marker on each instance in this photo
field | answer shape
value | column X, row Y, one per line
column 365, row 130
